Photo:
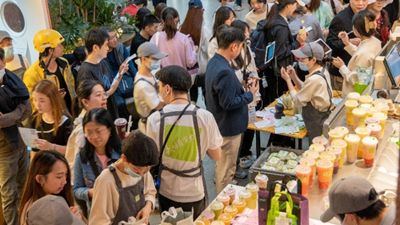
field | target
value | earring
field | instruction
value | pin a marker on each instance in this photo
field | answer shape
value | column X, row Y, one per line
column 87, row 105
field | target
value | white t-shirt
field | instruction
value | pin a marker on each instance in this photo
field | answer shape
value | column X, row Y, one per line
column 181, row 151
column 146, row 97
column 16, row 63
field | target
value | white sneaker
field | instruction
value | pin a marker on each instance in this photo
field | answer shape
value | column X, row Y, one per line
column 245, row 162
column 239, row 8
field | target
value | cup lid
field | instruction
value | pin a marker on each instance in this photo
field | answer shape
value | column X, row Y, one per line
column 324, row 163
column 370, row 140
column 352, row 137
column 327, row 155
column 302, row 169
column 339, row 143
column 334, row 149
column 307, row 161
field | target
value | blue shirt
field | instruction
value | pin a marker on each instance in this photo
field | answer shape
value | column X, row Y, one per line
column 226, row 98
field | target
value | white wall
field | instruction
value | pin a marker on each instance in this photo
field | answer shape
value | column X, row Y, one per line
column 36, row 19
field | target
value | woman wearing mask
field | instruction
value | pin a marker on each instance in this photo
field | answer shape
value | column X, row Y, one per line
column 224, row 15
column 172, row 42
column 322, row 11
column 278, row 31
column 315, row 95
column 102, row 148
column 382, row 19
column 49, row 174
column 364, row 27
column 51, row 120
column 15, row 107
column 193, row 25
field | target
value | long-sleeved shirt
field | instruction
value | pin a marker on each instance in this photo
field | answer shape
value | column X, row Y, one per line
column 362, row 56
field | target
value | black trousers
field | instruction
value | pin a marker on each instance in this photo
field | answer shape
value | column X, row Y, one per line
column 198, row 207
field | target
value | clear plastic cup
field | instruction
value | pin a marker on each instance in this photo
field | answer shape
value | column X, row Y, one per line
column 325, row 170
column 246, row 196
column 308, row 161
column 366, row 106
column 217, row 207
column 224, row 198
column 320, row 140
column 369, row 144
column 240, row 204
column 352, row 141
column 253, row 188
column 334, row 134
column 375, row 130
column 328, row 156
column 231, row 210
column 366, row 99
column 312, row 154
column 359, row 115
column 371, row 112
column 341, row 144
column 382, row 121
column 225, row 218
column 262, row 181
column 208, row 214
column 231, row 191
column 353, row 96
column 342, row 130
column 383, row 108
column 338, row 153
column 303, row 172
column 371, row 120
column 361, row 132
column 350, row 105
column 120, row 125
column 204, row 220
column 317, row 147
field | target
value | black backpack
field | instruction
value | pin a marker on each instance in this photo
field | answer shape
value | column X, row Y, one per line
column 259, row 41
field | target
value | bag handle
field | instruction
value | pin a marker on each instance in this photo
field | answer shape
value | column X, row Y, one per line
column 288, row 178
column 276, row 208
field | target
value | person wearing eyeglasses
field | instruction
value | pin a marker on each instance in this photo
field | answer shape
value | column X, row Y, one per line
column 102, row 147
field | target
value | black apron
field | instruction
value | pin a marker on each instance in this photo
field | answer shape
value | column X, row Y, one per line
column 131, row 199
column 183, row 173
column 313, row 118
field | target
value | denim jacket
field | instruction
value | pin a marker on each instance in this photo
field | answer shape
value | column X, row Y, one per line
column 84, row 177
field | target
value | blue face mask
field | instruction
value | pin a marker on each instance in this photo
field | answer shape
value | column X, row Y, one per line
column 230, row 5
column 131, row 173
column 155, row 64
column 8, row 52
column 303, row 66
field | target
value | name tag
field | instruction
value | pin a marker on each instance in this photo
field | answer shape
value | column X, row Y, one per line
column 137, row 198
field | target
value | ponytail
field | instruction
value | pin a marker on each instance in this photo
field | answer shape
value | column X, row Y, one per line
column 168, row 16
column 273, row 14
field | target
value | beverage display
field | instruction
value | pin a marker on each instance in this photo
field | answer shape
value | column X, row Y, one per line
column 208, row 214
column 359, row 116
column 261, row 181
column 231, row 210
column 240, row 204
column 308, row 161
column 342, row 130
column 375, row 130
column 225, row 218
column 350, row 105
column 217, row 207
column 120, row 125
column 231, row 191
column 224, row 198
column 371, row 120
column 334, row 134
column 366, row 99
column 382, row 121
column 317, row 148
column 369, row 144
column 320, row 140
column 303, row 172
column 361, row 132
column 325, row 170
column 352, row 141
column 341, row 144
column 338, row 152
column 253, row 188
column 312, row 154
column 246, row 196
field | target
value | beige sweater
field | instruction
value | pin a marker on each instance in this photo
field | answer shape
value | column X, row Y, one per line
column 105, row 201
column 362, row 56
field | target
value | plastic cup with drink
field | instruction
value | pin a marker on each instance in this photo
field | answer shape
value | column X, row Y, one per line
column 231, row 191
column 335, row 134
column 366, row 99
column 320, row 140
column 338, row 153
column 225, row 218
column 231, row 210
column 341, row 144
column 224, row 198
column 208, row 214
column 375, row 130
column 352, row 141
column 312, row 154
column 371, row 120
column 350, row 105
column 382, row 121
column 354, row 96
column 253, row 188
column 261, row 181
column 361, row 132
column 369, row 144
column 317, row 147
column 303, row 172
column 240, row 204
column 120, row 125
column 308, row 161
column 246, row 196
column 217, row 207
column 359, row 115
column 325, row 170
column 342, row 130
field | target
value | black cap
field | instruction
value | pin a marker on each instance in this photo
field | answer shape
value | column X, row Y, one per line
column 176, row 77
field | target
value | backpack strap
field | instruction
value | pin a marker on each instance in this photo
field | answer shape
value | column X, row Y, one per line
column 22, row 61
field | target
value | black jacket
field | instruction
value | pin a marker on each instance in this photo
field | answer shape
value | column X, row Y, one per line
column 341, row 22
column 284, row 42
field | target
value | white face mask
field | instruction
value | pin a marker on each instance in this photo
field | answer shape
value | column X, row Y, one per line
column 2, row 72
column 230, row 5
column 155, row 64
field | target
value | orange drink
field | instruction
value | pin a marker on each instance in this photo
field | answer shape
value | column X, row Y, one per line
column 362, row 132
column 303, row 173
column 325, row 170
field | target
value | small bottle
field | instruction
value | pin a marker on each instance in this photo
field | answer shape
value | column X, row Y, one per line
column 302, row 30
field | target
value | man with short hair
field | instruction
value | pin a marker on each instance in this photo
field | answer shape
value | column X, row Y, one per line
column 342, row 22
column 145, row 92
column 134, row 7
column 187, row 134
column 227, row 101
column 16, row 63
column 116, row 56
column 149, row 28
column 95, row 67
column 353, row 200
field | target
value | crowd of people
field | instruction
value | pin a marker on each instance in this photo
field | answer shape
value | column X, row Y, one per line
column 103, row 178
